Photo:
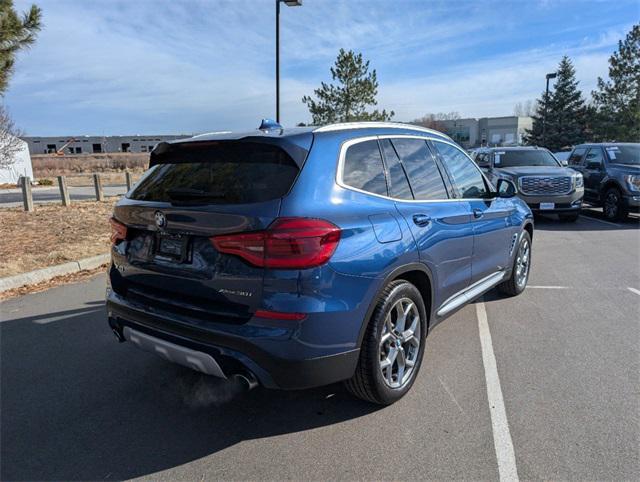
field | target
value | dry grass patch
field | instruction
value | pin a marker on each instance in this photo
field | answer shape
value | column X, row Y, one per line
column 52, row 234
column 108, row 178
column 50, row 165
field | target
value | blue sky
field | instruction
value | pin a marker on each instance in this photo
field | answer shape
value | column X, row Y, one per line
column 160, row 66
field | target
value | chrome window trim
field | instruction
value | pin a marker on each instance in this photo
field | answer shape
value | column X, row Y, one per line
column 356, row 140
column 342, row 126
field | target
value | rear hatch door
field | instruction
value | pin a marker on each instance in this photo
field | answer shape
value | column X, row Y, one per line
column 194, row 191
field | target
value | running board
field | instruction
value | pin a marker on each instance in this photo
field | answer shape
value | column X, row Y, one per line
column 471, row 293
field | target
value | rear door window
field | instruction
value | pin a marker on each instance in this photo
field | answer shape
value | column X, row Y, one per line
column 363, row 168
column 422, row 170
column 464, row 173
column 398, row 183
column 219, row 173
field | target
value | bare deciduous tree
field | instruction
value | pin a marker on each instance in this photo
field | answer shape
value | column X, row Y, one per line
column 435, row 121
column 10, row 142
column 524, row 109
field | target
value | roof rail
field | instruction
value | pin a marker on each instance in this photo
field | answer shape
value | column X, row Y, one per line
column 368, row 124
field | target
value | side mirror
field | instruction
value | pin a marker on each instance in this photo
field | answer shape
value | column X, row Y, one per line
column 506, row 188
column 483, row 163
column 564, row 162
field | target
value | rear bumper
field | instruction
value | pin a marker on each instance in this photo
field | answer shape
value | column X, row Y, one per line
column 261, row 350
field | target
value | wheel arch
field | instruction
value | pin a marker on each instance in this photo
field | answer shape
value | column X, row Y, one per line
column 415, row 273
column 528, row 227
column 608, row 184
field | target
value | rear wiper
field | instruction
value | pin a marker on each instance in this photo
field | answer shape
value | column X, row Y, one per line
column 193, row 194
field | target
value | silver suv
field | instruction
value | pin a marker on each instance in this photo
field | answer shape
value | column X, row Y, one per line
column 542, row 182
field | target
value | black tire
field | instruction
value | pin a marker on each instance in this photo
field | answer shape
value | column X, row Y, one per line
column 612, row 206
column 570, row 218
column 512, row 286
column 368, row 382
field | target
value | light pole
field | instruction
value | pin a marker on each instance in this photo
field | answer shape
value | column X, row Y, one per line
column 289, row 3
column 552, row 75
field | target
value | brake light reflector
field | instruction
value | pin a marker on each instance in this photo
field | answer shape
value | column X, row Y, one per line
column 118, row 231
column 289, row 243
column 279, row 315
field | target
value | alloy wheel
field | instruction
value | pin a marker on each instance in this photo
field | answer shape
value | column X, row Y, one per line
column 611, row 205
column 522, row 263
column 400, row 343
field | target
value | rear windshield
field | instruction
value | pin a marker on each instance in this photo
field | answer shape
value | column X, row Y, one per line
column 523, row 158
column 624, row 154
column 219, row 173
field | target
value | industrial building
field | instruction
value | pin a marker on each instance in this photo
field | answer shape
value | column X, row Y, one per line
column 470, row 132
column 489, row 131
column 96, row 144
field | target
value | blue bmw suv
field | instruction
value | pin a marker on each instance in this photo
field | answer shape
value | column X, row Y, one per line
column 294, row 258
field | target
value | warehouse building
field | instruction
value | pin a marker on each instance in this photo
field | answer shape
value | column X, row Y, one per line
column 95, row 144
column 488, row 131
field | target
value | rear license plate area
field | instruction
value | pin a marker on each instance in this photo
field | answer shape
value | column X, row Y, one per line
column 172, row 248
column 547, row 206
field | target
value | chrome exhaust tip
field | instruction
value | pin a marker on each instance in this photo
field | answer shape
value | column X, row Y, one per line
column 118, row 335
column 248, row 378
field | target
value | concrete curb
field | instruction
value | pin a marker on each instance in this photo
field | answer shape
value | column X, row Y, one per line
column 45, row 274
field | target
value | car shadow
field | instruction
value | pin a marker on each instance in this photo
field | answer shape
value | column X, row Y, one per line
column 590, row 219
column 77, row 405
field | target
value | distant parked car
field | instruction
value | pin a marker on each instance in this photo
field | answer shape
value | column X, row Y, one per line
column 301, row 257
column 545, row 185
column 563, row 157
column 611, row 174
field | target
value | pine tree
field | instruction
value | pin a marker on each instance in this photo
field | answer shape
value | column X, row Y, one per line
column 566, row 112
column 616, row 102
column 15, row 33
column 348, row 100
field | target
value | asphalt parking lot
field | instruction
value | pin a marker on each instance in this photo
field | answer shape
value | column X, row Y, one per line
column 75, row 405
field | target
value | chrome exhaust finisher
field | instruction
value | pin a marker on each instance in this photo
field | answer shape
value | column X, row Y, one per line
column 118, row 335
column 248, row 378
column 181, row 355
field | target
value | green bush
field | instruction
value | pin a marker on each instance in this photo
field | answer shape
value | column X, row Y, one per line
column 45, row 182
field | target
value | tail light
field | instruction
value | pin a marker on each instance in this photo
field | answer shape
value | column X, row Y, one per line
column 118, row 231
column 289, row 243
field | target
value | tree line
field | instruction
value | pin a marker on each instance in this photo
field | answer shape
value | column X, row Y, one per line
column 611, row 114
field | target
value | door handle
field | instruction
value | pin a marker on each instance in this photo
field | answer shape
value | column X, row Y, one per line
column 421, row 219
column 477, row 213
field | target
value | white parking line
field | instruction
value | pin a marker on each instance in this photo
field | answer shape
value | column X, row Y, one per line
column 548, row 287
column 633, row 290
column 501, row 436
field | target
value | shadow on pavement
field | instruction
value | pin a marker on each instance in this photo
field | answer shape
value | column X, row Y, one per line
column 76, row 405
column 589, row 220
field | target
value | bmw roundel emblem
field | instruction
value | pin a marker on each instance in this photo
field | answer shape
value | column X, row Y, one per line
column 161, row 219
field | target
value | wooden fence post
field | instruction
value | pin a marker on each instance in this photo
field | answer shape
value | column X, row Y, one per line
column 27, row 197
column 64, row 192
column 97, row 182
column 127, row 176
